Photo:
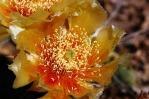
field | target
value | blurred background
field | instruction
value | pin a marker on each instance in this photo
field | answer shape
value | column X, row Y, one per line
column 131, row 81
column 132, row 78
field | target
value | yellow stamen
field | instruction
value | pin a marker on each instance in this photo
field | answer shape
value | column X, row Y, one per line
column 30, row 6
column 66, row 50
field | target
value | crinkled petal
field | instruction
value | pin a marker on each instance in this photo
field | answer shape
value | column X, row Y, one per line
column 66, row 6
column 57, row 23
column 24, row 9
column 23, row 69
column 107, row 38
column 29, row 39
column 22, row 79
column 89, row 16
column 107, row 71
column 54, row 94
column 101, row 75
column 4, row 14
column 23, row 21
column 14, row 30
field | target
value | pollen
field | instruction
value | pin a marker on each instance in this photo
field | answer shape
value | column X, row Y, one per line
column 27, row 7
column 66, row 51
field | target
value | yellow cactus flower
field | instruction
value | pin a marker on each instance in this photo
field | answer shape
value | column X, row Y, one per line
column 23, row 7
column 62, row 57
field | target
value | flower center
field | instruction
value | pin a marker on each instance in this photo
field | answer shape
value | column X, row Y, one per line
column 66, row 51
column 70, row 54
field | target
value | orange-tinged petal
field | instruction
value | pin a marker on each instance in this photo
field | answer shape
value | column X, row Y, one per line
column 107, row 38
column 4, row 9
column 101, row 75
column 57, row 23
column 36, row 86
column 64, row 81
column 29, row 66
column 76, row 87
column 55, row 94
column 27, row 7
column 23, row 21
column 4, row 14
column 40, row 26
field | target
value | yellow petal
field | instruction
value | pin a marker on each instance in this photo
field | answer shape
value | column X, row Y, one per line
column 101, row 74
column 87, row 14
column 107, row 38
column 59, row 8
column 23, row 21
column 107, row 71
column 23, row 70
column 87, row 88
column 14, row 30
column 22, row 79
column 90, row 16
column 55, row 94
column 28, row 39
column 37, row 87
column 4, row 14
